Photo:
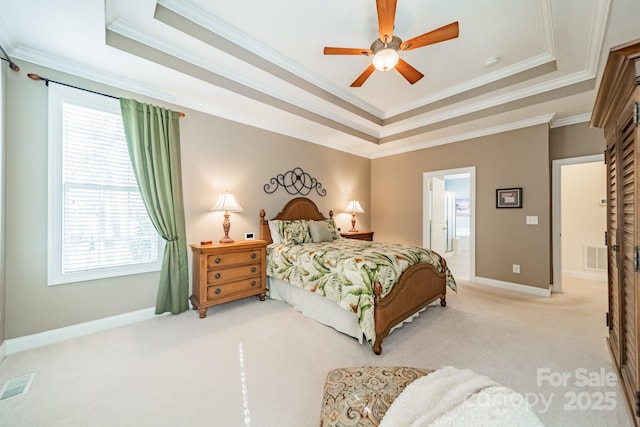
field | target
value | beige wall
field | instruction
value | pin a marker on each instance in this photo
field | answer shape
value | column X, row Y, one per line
column 220, row 155
column 575, row 141
column 217, row 155
column 512, row 159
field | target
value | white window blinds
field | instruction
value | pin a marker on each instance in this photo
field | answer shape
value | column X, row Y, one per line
column 103, row 227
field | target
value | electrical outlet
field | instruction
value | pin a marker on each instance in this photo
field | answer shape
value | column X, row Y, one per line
column 516, row 268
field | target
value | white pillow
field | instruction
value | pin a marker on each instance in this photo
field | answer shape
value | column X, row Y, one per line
column 273, row 229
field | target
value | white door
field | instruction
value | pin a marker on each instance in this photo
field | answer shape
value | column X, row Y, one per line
column 438, row 216
column 451, row 219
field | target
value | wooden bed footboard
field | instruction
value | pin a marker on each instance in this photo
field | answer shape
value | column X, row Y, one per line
column 419, row 286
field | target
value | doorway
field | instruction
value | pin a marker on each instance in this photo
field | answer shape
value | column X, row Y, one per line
column 578, row 219
column 449, row 218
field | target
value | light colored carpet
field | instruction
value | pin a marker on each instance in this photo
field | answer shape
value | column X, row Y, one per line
column 252, row 363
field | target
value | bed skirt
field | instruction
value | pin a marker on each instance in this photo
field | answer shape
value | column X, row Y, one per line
column 321, row 309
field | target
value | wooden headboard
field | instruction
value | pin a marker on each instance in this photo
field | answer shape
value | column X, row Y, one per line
column 298, row 208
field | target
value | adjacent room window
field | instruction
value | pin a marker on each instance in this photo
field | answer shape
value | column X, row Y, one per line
column 98, row 225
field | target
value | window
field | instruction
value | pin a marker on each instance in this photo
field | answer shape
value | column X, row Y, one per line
column 98, row 225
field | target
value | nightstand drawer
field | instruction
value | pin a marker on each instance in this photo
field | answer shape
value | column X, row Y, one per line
column 232, row 258
column 220, row 275
column 233, row 289
column 358, row 235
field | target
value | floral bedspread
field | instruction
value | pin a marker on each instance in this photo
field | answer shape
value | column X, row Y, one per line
column 344, row 270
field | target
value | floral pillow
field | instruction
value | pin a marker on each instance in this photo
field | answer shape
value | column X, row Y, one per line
column 294, row 232
column 331, row 225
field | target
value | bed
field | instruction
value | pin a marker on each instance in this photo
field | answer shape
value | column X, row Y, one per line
column 372, row 311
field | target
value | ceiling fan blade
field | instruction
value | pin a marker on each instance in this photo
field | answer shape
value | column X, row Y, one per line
column 408, row 72
column 364, row 76
column 386, row 18
column 447, row 32
column 346, row 51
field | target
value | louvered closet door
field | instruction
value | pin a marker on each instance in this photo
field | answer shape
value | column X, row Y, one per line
column 628, row 241
column 611, row 159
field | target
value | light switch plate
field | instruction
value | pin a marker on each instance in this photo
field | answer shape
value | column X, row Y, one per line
column 532, row 220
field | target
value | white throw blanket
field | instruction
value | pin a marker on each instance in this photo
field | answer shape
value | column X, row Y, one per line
column 451, row 396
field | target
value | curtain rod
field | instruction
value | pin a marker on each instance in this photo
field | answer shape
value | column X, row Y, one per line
column 34, row 76
column 12, row 64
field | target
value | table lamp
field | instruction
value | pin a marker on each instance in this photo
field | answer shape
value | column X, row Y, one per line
column 354, row 207
column 226, row 203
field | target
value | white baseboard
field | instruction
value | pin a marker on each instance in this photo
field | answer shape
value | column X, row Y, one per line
column 600, row 277
column 15, row 345
column 532, row 290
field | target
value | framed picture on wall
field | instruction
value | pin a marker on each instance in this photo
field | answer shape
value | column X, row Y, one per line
column 509, row 197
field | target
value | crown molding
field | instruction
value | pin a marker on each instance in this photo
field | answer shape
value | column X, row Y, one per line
column 598, row 31
column 72, row 68
column 573, row 120
column 465, row 136
column 542, row 58
column 522, row 66
column 128, row 30
column 80, row 70
column 492, row 102
column 212, row 23
column 5, row 38
column 547, row 27
column 497, row 75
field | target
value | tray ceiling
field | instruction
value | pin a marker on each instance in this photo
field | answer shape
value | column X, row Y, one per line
column 262, row 63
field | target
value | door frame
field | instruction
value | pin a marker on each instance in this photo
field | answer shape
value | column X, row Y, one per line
column 556, row 212
column 426, row 209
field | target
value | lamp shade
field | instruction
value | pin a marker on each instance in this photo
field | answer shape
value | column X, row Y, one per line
column 227, row 202
column 354, row 207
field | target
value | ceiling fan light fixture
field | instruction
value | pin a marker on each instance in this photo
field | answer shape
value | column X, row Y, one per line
column 385, row 59
column 385, row 55
column 385, row 50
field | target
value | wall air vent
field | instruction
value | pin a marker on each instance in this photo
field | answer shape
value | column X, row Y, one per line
column 595, row 257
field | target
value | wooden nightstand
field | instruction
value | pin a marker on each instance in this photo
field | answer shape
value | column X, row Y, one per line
column 224, row 272
column 359, row 235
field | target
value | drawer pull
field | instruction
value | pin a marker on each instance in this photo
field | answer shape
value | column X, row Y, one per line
column 253, row 283
column 218, row 260
column 253, row 269
column 218, row 291
column 217, row 275
column 253, row 255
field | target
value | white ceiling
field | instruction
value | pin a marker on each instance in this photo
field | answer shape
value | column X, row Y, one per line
column 261, row 62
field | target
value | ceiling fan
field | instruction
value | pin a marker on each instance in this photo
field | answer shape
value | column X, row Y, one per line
column 386, row 49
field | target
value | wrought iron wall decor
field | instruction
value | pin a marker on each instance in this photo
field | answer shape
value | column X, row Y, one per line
column 295, row 181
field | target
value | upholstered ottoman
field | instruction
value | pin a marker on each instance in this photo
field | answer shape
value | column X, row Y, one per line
column 361, row 396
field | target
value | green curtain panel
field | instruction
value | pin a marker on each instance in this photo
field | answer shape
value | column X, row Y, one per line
column 153, row 137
